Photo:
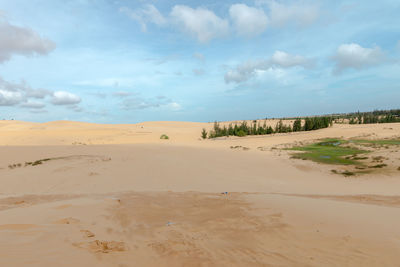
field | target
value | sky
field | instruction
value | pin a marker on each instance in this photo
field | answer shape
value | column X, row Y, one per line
column 127, row 61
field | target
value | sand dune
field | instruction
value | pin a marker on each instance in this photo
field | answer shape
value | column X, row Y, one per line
column 16, row 133
column 118, row 195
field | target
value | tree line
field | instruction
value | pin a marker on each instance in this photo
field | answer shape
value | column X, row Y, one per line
column 368, row 118
column 244, row 129
column 376, row 116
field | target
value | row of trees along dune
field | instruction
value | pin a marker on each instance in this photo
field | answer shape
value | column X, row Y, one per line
column 243, row 129
column 376, row 116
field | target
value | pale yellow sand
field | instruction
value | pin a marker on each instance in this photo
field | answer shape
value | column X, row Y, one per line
column 117, row 195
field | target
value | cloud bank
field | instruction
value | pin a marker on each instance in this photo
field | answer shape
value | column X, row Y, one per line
column 248, row 21
column 65, row 98
column 204, row 25
column 301, row 14
column 199, row 22
column 354, row 56
column 15, row 40
column 279, row 59
column 146, row 14
column 21, row 94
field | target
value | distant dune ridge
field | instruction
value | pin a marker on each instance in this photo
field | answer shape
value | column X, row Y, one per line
column 84, row 194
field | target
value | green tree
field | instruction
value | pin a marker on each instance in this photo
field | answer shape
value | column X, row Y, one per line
column 241, row 133
column 204, row 133
column 297, row 125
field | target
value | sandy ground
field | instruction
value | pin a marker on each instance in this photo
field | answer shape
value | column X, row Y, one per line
column 117, row 195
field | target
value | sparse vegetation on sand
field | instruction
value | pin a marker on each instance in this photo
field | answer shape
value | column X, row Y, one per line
column 378, row 166
column 41, row 161
column 348, row 173
column 29, row 163
column 240, row 147
column 350, row 153
column 381, row 142
column 243, row 129
column 37, row 162
column 329, row 151
column 13, row 166
column 164, row 136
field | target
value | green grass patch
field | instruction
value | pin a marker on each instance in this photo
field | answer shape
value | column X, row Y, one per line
column 329, row 151
column 383, row 142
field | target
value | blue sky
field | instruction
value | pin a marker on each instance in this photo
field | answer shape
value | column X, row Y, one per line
column 129, row 61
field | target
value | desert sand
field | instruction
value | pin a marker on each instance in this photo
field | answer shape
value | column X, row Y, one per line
column 118, row 195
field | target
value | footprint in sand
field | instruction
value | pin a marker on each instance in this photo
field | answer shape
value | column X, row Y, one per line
column 63, row 206
column 98, row 246
column 106, row 246
column 87, row 233
column 68, row 220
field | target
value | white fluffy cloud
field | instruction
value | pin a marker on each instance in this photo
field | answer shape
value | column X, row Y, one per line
column 248, row 21
column 12, row 94
column 10, row 98
column 200, row 22
column 15, row 40
column 147, row 14
column 205, row 25
column 279, row 59
column 299, row 13
column 22, row 95
column 357, row 57
column 285, row 60
column 65, row 98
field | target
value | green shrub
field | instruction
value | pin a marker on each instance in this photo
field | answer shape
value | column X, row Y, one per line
column 241, row 133
column 348, row 173
column 378, row 166
column 164, row 136
column 204, row 134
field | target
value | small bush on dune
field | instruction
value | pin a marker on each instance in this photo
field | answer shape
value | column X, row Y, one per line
column 164, row 136
column 348, row 173
column 378, row 166
column 241, row 133
column 204, row 133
